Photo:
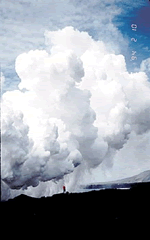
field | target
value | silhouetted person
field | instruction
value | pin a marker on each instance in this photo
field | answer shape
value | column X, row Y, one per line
column 64, row 189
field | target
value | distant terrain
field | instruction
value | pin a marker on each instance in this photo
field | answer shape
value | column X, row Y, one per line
column 142, row 177
column 122, row 183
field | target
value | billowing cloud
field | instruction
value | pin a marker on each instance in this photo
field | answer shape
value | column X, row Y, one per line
column 76, row 108
column 145, row 66
column 24, row 23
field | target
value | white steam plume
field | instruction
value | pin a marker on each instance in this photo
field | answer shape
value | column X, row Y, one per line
column 77, row 105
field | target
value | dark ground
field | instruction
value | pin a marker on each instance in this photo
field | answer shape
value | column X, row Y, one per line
column 81, row 210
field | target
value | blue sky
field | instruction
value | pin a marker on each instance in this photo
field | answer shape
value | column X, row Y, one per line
column 24, row 24
column 141, row 17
